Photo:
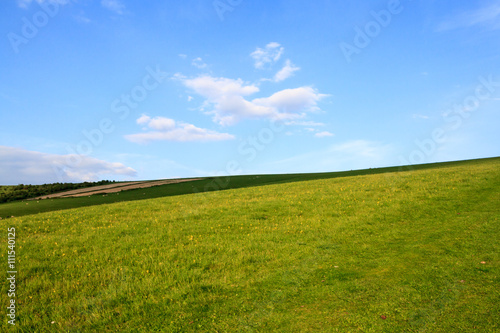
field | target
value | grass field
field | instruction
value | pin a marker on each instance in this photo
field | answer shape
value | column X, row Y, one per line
column 413, row 251
column 28, row 207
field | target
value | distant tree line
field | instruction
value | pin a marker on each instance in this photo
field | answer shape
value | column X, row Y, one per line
column 20, row 192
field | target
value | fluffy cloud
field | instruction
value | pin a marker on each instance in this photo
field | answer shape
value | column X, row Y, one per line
column 286, row 71
column 289, row 102
column 20, row 166
column 214, row 88
column 199, row 63
column 268, row 55
column 165, row 129
column 228, row 100
column 229, row 105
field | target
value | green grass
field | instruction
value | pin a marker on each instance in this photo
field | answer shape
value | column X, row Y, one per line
column 22, row 208
column 326, row 255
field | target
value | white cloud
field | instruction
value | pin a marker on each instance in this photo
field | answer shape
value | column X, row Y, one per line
column 323, row 134
column 227, row 100
column 292, row 101
column 143, row 119
column 198, row 62
column 161, row 124
column 113, row 5
column 268, row 55
column 227, row 97
column 214, row 88
column 488, row 16
column 165, row 129
column 20, row 166
column 286, row 71
column 229, row 106
column 291, row 104
column 183, row 56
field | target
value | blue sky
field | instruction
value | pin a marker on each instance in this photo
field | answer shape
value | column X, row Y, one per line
column 131, row 90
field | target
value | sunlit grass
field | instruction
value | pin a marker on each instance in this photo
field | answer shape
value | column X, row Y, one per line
column 28, row 207
column 413, row 251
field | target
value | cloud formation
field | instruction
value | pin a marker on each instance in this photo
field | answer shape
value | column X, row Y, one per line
column 286, row 72
column 229, row 105
column 199, row 63
column 289, row 103
column 268, row 55
column 229, row 100
column 166, row 129
column 20, row 166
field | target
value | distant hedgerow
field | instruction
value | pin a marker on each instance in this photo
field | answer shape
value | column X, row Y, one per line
column 21, row 191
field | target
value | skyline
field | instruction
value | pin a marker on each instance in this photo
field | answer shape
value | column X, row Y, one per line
column 110, row 89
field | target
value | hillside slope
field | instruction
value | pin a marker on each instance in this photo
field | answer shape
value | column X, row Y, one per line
column 23, row 208
column 411, row 251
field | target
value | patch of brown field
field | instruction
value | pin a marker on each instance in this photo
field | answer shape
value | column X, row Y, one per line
column 113, row 188
column 87, row 189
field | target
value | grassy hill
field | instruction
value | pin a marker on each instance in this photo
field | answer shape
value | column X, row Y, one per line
column 22, row 208
column 410, row 251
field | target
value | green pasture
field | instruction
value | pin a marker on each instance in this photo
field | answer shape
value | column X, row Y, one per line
column 28, row 207
column 408, row 251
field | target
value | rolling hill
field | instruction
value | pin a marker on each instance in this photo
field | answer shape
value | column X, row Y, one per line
column 376, row 250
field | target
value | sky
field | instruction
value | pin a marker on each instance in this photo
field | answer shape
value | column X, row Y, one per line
column 132, row 90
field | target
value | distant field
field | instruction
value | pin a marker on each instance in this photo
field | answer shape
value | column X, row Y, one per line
column 413, row 251
column 112, row 188
column 27, row 207
column 24, row 192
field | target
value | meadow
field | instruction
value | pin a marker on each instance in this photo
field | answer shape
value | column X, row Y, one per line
column 409, row 251
column 28, row 207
